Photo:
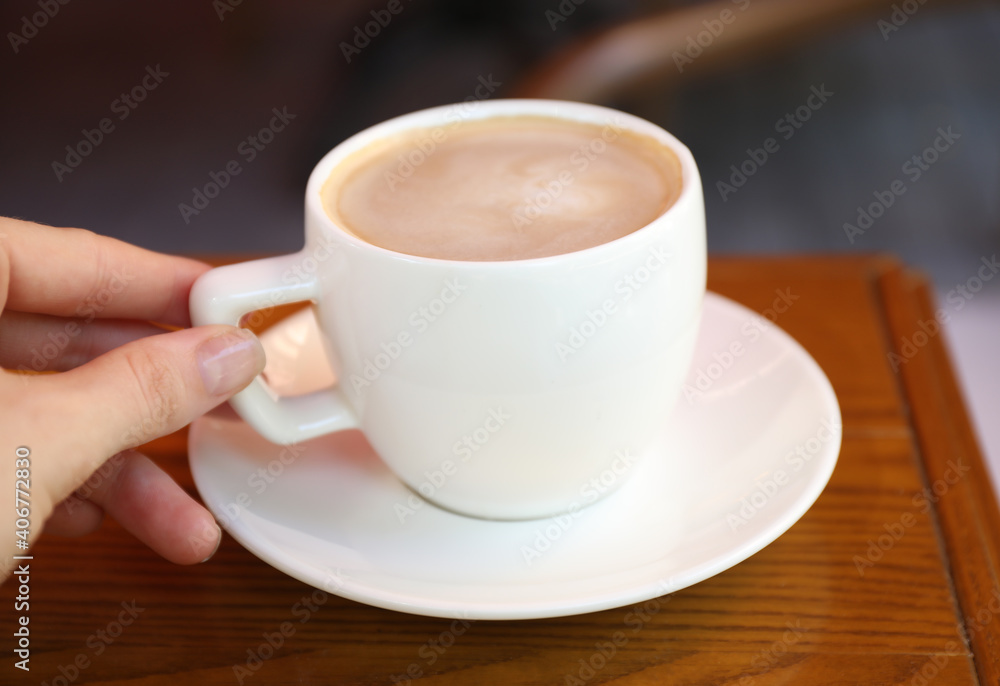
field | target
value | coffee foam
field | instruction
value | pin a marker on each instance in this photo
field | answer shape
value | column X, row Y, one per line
column 504, row 188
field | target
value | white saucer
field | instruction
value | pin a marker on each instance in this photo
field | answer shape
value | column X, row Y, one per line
column 329, row 511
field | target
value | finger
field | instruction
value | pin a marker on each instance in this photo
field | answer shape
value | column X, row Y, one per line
column 41, row 342
column 153, row 508
column 77, row 273
column 143, row 390
column 74, row 516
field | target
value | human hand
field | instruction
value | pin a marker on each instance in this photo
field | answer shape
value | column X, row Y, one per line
column 83, row 305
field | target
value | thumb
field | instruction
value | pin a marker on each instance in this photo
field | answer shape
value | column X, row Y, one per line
column 143, row 390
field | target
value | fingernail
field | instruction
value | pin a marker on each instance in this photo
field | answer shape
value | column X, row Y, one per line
column 218, row 542
column 229, row 361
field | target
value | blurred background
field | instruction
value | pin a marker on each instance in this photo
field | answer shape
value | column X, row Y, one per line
column 850, row 90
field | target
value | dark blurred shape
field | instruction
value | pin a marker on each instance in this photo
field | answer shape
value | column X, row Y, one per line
column 228, row 71
column 660, row 48
column 804, row 115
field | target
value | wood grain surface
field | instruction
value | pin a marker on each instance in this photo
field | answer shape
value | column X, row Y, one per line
column 820, row 605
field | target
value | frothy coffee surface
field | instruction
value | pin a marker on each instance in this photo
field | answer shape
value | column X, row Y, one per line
column 505, row 188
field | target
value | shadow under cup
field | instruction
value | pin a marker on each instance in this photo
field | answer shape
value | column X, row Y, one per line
column 495, row 389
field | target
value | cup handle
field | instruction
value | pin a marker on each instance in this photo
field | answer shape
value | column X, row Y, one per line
column 222, row 296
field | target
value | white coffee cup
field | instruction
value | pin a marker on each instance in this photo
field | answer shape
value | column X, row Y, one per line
column 506, row 390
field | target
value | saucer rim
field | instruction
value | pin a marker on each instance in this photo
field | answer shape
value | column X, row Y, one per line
column 821, row 468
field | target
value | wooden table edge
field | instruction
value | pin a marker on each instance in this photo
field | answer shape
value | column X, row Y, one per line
column 967, row 516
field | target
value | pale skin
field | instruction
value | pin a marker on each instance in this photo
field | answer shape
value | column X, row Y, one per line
column 84, row 306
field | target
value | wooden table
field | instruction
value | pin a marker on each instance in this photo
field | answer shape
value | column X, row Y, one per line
column 823, row 604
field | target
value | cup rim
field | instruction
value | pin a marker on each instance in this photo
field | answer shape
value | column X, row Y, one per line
column 471, row 110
